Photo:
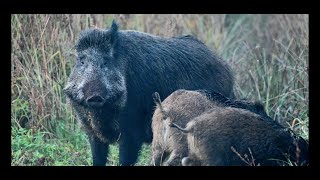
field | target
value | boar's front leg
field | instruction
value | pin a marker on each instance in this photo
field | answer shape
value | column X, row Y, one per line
column 99, row 151
column 129, row 147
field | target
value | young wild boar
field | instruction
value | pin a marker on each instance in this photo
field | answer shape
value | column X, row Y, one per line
column 116, row 72
column 221, row 135
column 169, row 145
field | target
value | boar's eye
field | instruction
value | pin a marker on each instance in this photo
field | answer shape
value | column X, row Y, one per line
column 81, row 59
column 105, row 63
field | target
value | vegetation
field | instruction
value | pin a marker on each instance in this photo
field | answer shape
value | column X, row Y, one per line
column 268, row 53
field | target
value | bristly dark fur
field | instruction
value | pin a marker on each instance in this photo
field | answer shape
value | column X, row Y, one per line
column 253, row 106
column 98, row 38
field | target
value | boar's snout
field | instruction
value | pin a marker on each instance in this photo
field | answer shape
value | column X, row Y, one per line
column 95, row 100
column 95, row 93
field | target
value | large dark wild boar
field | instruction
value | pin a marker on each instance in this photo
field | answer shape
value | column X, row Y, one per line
column 111, row 84
column 221, row 135
column 169, row 145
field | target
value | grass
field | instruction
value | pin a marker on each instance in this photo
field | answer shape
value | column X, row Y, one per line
column 269, row 55
column 36, row 149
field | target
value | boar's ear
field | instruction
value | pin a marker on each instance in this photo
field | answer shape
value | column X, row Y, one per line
column 113, row 32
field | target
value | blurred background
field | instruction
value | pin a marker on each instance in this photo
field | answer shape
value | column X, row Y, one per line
column 269, row 55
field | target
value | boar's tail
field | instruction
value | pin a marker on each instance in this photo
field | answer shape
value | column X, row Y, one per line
column 185, row 130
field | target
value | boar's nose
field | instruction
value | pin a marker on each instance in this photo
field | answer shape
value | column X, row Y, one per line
column 96, row 101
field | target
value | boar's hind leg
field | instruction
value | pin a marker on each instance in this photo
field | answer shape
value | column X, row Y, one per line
column 190, row 160
column 99, row 151
column 173, row 160
column 129, row 148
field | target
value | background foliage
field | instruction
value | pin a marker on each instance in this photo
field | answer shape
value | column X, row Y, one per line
column 269, row 55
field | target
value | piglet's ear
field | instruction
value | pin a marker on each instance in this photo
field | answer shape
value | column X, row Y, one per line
column 157, row 100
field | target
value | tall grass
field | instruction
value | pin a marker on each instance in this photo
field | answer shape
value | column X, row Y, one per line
column 268, row 54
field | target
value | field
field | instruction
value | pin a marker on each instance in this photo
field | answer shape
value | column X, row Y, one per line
column 269, row 55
